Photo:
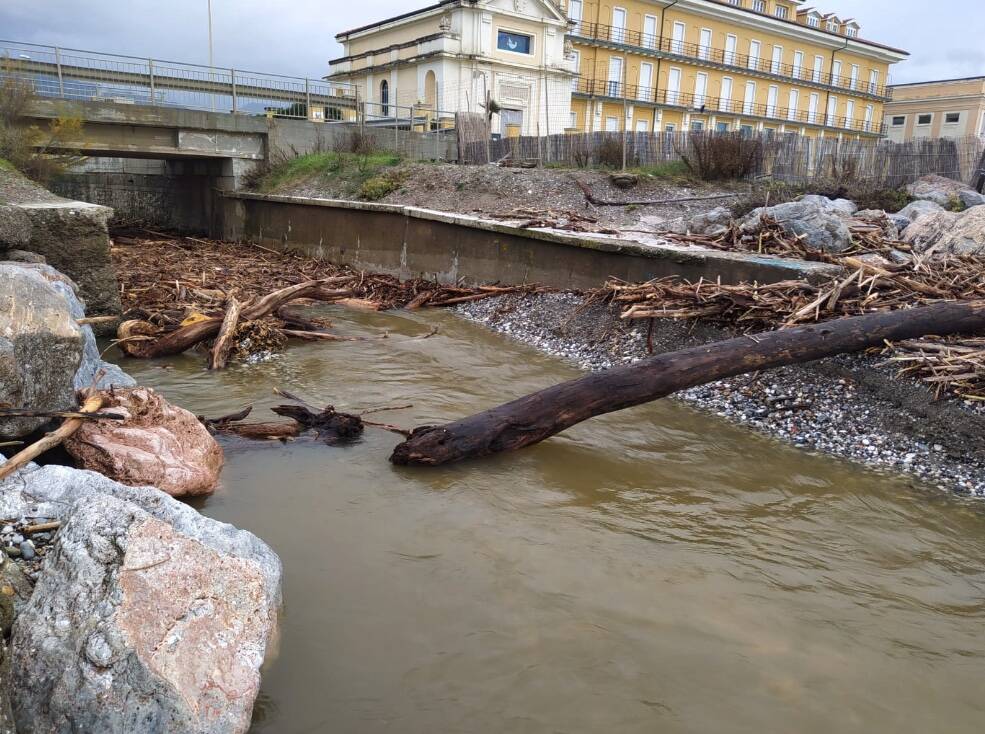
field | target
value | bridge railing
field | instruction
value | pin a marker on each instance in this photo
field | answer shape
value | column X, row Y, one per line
column 93, row 76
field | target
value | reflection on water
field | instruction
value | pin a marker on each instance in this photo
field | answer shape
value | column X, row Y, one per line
column 650, row 571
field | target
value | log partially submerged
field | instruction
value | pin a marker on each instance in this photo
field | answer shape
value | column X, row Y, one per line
column 224, row 342
column 543, row 414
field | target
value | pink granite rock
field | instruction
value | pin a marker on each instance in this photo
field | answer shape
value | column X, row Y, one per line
column 158, row 444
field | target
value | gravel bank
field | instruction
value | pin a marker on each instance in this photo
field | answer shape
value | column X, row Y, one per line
column 846, row 406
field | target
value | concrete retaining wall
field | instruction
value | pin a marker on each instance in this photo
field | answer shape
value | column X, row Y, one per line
column 411, row 242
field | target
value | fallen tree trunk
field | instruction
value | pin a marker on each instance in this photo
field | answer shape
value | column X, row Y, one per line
column 595, row 201
column 141, row 339
column 224, row 342
column 538, row 416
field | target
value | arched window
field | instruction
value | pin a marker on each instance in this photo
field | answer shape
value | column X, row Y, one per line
column 385, row 97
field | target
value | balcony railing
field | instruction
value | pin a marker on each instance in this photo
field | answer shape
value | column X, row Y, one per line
column 707, row 105
column 731, row 59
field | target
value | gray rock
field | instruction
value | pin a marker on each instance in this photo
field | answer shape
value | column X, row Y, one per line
column 74, row 237
column 958, row 234
column 40, row 348
column 15, row 227
column 928, row 230
column 842, row 206
column 27, row 550
column 916, row 210
column 820, row 228
column 713, row 223
column 23, row 256
column 148, row 617
column 970, row 198
column 901, row 222
column 938, row 189
column 91, row 363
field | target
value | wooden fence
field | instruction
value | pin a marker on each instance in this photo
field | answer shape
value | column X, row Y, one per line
column 790, row 158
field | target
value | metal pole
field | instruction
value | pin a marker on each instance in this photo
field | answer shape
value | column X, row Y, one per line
column 150, row 74
column 61, row 81
column 625, row 111
column 307, row 99
column 232, row 81
column 211, row 60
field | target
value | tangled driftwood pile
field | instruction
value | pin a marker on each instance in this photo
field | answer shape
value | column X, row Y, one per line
column 872, row 285
column 180, row 292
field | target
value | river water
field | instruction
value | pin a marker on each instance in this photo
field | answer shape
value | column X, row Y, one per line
column 656, row 570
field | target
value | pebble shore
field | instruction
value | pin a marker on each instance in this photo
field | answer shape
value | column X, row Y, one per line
column 799, row 405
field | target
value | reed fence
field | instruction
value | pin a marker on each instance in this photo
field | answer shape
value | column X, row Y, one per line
column 790, row 158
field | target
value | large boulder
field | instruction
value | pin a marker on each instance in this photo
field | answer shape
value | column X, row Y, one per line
column 927, row 231
column 40, row 348
column 157, row 444
column 970, row 198
column 944, row 191
column 713, row 223
column 147, row 616
column 837, row 206
column 917, row 210
column 950, row 233
column 822, row 229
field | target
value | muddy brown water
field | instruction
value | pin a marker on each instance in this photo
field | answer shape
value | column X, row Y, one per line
column 656, row 570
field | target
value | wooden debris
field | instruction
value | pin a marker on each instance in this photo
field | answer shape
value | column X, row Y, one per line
column 595, row 201
column 533, row 418
column 224, row 341
column 66, row 429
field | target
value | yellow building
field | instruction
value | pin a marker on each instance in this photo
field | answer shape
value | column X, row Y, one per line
column 749, row 65
column 951, row 108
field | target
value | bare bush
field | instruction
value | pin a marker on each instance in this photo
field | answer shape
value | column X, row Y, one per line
column 721, row 156
column 608, row 152
column 40, row 154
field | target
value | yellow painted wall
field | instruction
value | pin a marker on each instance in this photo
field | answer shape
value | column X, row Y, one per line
column 595, row 60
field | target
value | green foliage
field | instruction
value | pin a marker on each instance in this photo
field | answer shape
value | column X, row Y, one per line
column 954, row 204
column 378, row 187
column 41, row 154
column 671, row 170
column 350, row 170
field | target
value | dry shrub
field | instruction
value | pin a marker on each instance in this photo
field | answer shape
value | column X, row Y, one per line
column 40, row 154
column 608, row 153
column 721, row 156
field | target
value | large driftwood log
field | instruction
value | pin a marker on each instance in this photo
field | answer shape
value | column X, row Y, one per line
column 141, row 339
column 224, row 342
column 540, row 415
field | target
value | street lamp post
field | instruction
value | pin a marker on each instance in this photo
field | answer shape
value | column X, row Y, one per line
column 211, row 59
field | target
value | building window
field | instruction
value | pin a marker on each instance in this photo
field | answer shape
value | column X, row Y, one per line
column 780, row 12
column 671, row 127
column 952, row 118
column 516, row 43
column 385, row 98
column 925, row 119
column 899, row 121
column 851, row 32
column 721, row 127
column 813, row 21
column 736, row 3
column 697, row 125
column 832, row 26
column 759, row 6
column 573, row 120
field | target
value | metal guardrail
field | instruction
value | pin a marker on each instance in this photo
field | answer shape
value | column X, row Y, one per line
column 709, row 55
column 93, row 76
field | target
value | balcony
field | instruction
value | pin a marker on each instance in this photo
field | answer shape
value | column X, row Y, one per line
column 707, row 105
column 710, row 56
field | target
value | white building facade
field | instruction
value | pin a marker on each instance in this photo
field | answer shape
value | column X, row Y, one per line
column 450, row 57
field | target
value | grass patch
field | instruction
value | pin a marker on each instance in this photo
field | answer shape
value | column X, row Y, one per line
column 673, row 170
column 6, row 165
column 346, row 172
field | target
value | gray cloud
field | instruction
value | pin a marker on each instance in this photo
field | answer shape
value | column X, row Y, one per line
column 296, row 37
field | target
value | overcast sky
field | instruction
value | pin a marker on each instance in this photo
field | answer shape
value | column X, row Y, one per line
column 296, row 37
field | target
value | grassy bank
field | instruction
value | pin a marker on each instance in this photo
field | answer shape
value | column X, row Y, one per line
column 367, row 176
